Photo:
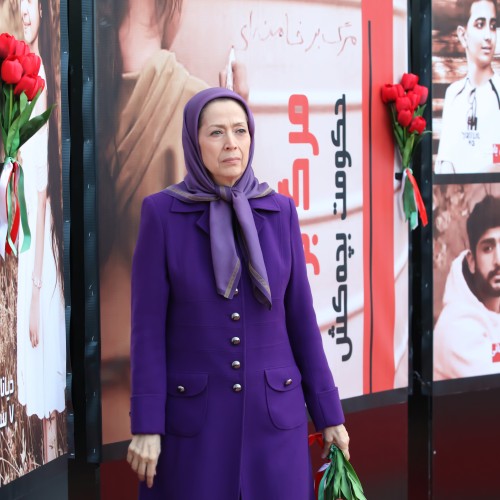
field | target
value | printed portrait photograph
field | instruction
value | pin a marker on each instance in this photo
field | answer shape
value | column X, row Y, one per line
column 466, row 255
column 465, row 87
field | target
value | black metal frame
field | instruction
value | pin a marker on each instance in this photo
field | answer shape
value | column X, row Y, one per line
column 421, row 298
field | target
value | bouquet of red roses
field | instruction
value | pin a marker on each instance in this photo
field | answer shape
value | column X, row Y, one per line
column 406, row 101
column 20, row 87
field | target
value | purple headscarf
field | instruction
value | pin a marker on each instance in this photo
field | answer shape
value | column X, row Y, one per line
column 198, row 186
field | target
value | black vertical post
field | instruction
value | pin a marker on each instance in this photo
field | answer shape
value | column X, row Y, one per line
column 83, row 472
column 421, row 298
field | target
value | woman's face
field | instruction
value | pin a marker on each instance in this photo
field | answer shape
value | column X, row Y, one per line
column 479, row 37
column 224, row 141
column 30, row 14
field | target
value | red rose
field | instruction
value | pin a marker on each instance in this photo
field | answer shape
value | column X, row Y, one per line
column 409, row 80
column 389, row 93
column 40, row 84
column 404, row 117
column 401, row 91
column 20, row 48
column 417, row 125
column 423, row 92
column 414, row 98
column 31, row 64
column 28, row 85
column 403, row 103
column 12, row 70
column 7, row 43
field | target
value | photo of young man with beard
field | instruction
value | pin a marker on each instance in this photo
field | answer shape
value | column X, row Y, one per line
column 467, row 332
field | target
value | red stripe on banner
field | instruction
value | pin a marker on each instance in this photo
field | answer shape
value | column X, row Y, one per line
column 378, row 199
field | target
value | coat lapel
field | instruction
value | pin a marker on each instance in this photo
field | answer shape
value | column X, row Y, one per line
column 260, row 208
column 180, row 207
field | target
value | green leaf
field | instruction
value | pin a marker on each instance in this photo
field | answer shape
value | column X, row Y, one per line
column 408, row 151
column 409, row 205
column 5, row 108
column 34, row 125
column 344, row 483
column 399, row 134
column 420, row 110
column 4, row 136
column 11, row 145
column 26, row 113
column 355, row 482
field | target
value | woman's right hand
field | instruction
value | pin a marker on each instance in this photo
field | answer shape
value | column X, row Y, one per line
column 143, row 453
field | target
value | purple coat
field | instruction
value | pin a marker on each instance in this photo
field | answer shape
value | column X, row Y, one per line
column 223, row 381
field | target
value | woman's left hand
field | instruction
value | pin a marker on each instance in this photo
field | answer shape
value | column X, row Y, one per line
column 337, row 435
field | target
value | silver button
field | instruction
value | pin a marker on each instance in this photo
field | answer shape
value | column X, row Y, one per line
column 181, row 388
column 237, row 387
column 236, row 292
column 236, row 365
column 235, row 316
column 235, row 340
column 288, row 381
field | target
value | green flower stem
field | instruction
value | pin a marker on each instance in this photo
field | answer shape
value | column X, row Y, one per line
column 11, row 92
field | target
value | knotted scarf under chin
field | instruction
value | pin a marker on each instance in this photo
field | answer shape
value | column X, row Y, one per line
column 226, row 261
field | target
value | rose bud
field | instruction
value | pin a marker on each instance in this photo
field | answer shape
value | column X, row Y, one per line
column 12, row 70
column 20, row 48
column 409, row 80
column 423, row 92
column 389, row 93
column 401, row 91
column 31, row 64
column 414, row 98
column 417, row 125
column 6, row 45
column 403, row 103
column 40, row 84
column 28, row 85
column 404, row 117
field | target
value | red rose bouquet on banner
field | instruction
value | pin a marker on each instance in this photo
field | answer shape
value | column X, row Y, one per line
column 20, row 88
column 406, row 101
column 336, row 480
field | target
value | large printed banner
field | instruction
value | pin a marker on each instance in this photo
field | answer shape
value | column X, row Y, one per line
column 32, row 320
column 466, row 192
column 312, row 72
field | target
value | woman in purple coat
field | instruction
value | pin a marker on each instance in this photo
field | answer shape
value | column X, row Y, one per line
column 226, row 351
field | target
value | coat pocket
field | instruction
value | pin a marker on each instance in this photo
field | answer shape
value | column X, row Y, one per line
column 187, row 400
column 285, row 399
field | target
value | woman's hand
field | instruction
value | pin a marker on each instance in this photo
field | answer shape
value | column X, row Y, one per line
column 339, row 437
column 143, row 453
column 34, row 316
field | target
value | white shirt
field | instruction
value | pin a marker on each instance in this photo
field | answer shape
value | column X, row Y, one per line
column 467, row 333
column 470, row 134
